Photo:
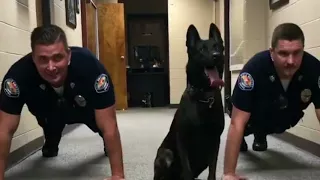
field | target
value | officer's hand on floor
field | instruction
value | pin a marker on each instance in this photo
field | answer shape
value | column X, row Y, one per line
column 233, row 177
column 115, row 178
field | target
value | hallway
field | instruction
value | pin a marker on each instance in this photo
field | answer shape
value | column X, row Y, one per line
column 142, row 130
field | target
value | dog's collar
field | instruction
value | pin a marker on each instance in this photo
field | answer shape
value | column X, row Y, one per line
column 201, row 95
column 209, row 101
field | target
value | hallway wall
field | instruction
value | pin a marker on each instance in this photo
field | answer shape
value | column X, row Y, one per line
column 257, row 26
column 17, row 20
column 58, row 17
column 182, row 13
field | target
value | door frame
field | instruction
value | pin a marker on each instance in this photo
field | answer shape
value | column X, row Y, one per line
column 84, row 29
column 227, row 72
column 43, row 11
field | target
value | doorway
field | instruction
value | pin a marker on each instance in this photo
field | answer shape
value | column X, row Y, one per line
column 148, row 65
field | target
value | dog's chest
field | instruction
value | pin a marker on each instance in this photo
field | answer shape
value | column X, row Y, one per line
column 202, row 140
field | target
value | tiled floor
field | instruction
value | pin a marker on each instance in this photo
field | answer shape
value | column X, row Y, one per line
column 142, row 130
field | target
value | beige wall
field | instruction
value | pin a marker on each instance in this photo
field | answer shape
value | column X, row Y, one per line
column 182, row 13
column 58, row 17
column 17, row 20
column 249, row 29
column 237, row 24
column 258, row 24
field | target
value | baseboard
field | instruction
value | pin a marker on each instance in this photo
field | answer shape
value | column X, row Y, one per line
column 32, row 147
column 301, row 143
column 24, row 152
column 174, row 105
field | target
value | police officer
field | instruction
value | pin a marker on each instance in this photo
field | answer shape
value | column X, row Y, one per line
column 60, row 85
column 271, row 92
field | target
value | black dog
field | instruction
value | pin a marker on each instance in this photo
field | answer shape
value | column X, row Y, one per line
column 193, row 141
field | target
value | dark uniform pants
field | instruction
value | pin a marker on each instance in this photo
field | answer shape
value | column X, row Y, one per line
column 63, row 115
column 261, row 130
column 264, row 128
column 53, row 128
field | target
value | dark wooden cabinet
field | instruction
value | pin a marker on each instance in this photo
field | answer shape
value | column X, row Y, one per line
column 142, row 83
column 148, row 65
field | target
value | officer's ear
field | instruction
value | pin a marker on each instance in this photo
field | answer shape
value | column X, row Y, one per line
column 271, row 50
column 33, row 56
column 68, row 50
column 69, row 55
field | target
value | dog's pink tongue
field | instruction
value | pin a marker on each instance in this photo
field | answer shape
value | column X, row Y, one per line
column 215, row 80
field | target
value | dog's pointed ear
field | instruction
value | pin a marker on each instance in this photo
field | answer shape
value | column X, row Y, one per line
column 214, row 33
column 192, row 36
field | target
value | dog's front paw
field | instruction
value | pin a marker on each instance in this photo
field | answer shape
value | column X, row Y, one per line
column 165, row 158
column 162, row 163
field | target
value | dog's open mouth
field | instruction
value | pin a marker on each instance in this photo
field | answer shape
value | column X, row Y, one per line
column 213, row 75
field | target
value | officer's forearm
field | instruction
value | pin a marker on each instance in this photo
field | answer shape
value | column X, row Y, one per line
column 5, row 142
column 113, row 143
column 234, row 140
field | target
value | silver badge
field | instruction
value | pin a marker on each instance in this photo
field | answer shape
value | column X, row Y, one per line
column 72, row 85
column 81, row 101
column 271, row 78
column 306, row 95
column 42, row 86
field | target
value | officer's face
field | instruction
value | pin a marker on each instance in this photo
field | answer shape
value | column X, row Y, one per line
column 52, row 62
column 287, row 57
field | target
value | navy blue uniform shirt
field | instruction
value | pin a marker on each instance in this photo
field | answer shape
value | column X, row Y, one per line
column 88, row 86
column 259, row 90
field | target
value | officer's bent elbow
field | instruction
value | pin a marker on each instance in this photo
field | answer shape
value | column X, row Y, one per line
column 8, row 122
column 239, row 118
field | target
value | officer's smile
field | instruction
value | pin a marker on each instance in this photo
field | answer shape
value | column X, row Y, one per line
column 52, row 62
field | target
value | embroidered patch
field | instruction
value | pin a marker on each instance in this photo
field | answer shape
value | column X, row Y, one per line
column 11, row 88
column 101, row 84
column 245, row 81
column 319, row 82
column 306, row 95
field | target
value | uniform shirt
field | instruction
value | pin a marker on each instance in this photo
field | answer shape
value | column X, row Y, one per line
column 273, row 102
column 87, row 87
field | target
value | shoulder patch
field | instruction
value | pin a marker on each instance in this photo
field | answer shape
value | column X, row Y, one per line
column 11, row 88
column 245, row 81
column 101, row 84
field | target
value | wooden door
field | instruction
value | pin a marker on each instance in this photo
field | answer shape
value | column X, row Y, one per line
column 112, row 47
column 92, row 25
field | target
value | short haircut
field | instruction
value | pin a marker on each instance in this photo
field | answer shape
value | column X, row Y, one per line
column 47, row 35
column 287, row 31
